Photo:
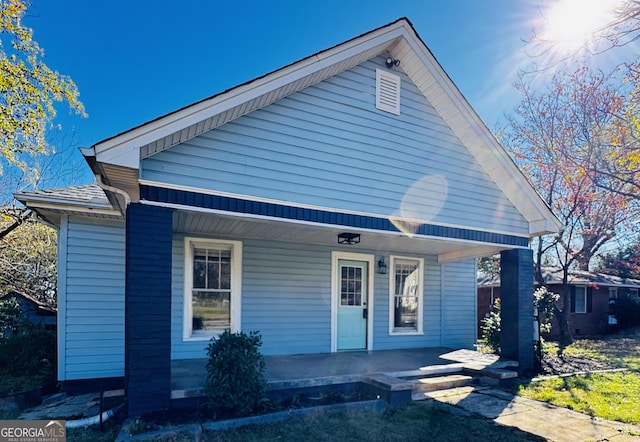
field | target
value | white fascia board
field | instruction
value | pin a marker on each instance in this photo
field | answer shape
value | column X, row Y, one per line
column 471, row 130
column 124, row 149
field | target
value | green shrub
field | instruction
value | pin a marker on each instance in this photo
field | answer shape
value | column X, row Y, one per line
column 544, row 301
column 491, row 328
column 31, row 354
column 235, row 384
column 627, row 311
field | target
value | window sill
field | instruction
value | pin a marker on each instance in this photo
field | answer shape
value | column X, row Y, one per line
column 406, row 333
column 202, row 336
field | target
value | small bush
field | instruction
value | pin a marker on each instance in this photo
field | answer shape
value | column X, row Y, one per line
column 544, row 301
column 235, row 384
column 491, row 328
column 29, row 357
column 627, row 311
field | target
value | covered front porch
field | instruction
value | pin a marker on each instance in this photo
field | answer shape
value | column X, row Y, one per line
column 300, row 371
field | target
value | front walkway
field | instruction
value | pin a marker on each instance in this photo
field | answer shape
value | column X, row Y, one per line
column 188, row 376
column 539, row 418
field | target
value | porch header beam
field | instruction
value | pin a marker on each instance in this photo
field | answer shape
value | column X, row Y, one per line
column 319, row 216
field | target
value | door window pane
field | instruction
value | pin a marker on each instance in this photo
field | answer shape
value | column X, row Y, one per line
column 351, row 286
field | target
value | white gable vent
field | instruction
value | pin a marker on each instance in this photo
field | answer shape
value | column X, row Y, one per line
column 387, row 91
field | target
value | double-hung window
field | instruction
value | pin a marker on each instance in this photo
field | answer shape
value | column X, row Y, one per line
column 406, row 289
column 212, row 287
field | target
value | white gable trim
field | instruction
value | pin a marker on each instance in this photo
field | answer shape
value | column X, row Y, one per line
column 398, row 39
column 127, row 148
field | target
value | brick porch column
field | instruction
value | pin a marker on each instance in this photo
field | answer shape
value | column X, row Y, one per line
column 148, row 308
column 516, row 300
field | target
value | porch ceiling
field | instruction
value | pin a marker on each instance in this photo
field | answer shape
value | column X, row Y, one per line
column 199, row 223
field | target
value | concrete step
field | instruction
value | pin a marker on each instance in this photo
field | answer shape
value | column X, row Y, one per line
column 496, row 373
column 441, row 382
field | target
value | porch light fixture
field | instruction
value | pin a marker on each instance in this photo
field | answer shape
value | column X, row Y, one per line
column 348, row 238
column 382, row 266
column 391, row 62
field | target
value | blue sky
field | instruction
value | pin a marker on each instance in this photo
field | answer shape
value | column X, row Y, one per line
column 136, row 60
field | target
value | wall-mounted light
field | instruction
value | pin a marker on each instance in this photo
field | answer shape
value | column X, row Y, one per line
column 391, row 62
column 348, row 238
column 382, row 266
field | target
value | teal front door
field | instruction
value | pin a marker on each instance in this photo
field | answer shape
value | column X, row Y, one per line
column 352, row 293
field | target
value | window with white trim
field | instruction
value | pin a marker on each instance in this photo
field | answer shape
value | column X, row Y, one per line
column 580, row 300
column 634, row 292
column 406, row 289
column 212, row 287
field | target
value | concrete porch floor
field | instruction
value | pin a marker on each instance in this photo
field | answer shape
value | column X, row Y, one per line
column 188, row 376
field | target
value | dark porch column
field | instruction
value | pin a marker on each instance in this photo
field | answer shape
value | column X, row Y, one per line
column 148, row 309
column 516, row 300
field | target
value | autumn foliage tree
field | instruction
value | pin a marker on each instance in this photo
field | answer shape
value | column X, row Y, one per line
column 551, row 135
column 624, row 262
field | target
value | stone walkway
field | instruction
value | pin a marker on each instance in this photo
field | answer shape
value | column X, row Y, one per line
column 539, row 418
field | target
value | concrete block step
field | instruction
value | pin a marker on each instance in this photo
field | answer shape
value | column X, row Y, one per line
column 441, row 382
column 492, row 372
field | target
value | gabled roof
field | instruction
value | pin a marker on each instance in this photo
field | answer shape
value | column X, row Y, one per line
column 118, row 158
column 553, row 276
column 42, row 307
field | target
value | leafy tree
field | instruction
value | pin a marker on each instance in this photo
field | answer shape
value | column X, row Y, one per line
column 624, row 263
column 10, row 319
column 28, row 88
column 489, row 265
column 28, row 261
column 548, row 135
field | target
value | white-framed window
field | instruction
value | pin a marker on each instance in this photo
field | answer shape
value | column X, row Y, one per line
column 634, row 292
column 212, row 287
column 406, row 291
column 580, row 305
column 613, row 293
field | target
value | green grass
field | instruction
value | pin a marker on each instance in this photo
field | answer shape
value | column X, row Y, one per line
column 619, row 350
column 414, row 422
column 606, row 395
column 109, row 432
column 610, row 396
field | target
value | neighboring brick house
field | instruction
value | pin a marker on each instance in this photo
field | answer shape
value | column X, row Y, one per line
column 591, row 296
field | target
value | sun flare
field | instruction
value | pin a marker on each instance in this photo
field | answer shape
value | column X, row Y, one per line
column 570, row 25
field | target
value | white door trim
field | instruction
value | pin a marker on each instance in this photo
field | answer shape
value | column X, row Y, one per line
column 369, row 259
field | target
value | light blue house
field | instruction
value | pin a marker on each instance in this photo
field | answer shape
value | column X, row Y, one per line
column 336, row 204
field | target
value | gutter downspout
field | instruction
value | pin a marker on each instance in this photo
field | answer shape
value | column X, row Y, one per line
column 122, row 193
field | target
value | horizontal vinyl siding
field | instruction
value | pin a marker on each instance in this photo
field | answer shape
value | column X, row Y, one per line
column 286, row 296
column 459, row 296
column 329, row 146
column 94, row 311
